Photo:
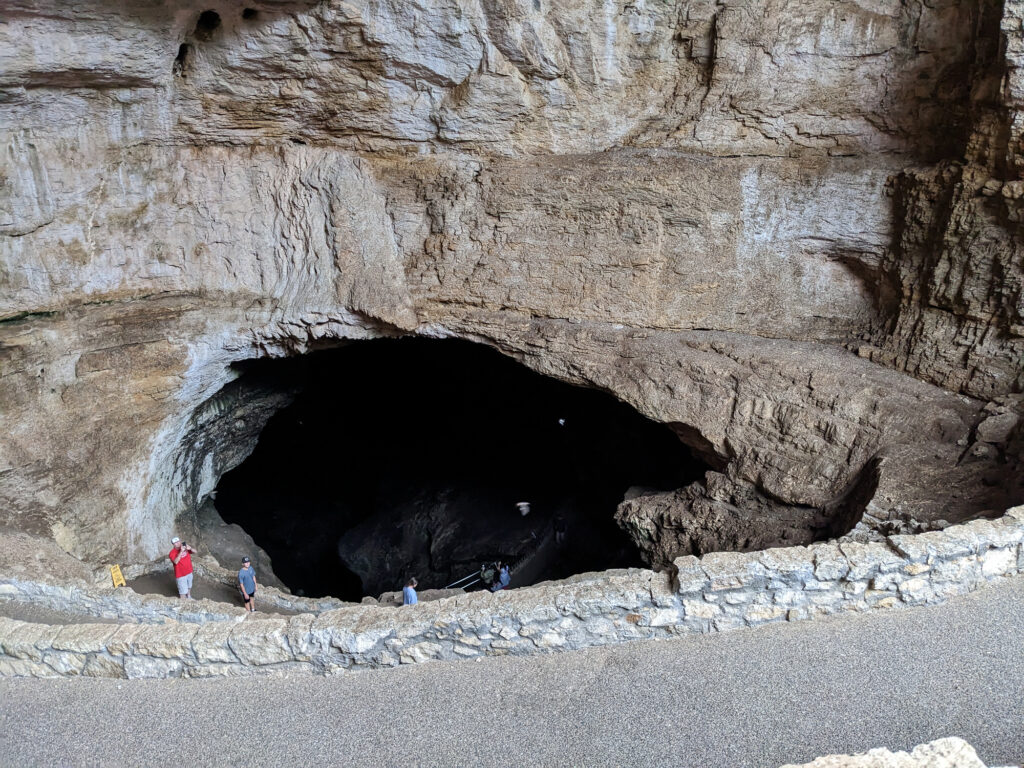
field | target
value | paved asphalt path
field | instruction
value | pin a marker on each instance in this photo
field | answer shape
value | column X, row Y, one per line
column 760, row 697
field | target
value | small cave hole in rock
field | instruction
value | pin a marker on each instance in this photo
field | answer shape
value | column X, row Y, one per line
column 249, row 14
column 408, row 457
column 208, row 23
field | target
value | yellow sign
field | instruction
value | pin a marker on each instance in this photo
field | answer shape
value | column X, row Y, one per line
column 115, row 574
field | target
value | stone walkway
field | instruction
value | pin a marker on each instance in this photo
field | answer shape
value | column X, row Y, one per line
column 203, row 589
column 163, row 584
column 761, row 697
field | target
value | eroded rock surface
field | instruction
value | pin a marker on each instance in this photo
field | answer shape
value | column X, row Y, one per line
column 941, row 753
column 704, row 208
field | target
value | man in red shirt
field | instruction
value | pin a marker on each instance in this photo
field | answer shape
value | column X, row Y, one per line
column 181, row 556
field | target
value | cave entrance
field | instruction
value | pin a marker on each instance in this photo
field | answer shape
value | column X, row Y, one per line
column 403, row 457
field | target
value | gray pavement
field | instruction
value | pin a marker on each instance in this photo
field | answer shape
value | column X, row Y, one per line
column 762, row 697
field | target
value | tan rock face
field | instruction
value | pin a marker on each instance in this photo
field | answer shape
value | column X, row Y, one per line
column 700, row 207
column 649, row 240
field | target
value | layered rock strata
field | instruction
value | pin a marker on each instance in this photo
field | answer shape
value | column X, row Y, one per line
column 700, row 207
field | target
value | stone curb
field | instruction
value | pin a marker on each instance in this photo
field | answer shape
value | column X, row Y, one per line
column 714, row 593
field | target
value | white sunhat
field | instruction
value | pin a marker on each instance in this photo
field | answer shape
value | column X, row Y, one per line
column 175, row 540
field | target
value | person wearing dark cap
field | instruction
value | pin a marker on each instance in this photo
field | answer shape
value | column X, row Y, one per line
column 247, row 583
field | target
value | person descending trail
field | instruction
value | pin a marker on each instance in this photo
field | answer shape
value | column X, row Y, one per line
column 489, row 574
column 409, row 592
column 504, row 577
column 560, row 528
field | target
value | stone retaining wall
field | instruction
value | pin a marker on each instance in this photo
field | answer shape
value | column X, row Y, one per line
column 717, row 592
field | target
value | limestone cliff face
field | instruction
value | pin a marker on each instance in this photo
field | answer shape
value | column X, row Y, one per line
column 957, row 258
column 703, row 207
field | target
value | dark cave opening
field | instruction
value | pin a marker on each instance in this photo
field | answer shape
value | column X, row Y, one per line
column 208, row 23
column 407, row 457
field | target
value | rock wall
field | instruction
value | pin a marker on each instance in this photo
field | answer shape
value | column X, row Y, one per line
column 957, row 252
column 700, row 207
column 718, row 592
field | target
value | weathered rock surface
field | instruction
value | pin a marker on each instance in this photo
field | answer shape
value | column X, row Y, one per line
column 700, row 207
column 942, row 753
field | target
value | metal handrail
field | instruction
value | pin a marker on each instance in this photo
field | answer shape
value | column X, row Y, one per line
column 464, row 578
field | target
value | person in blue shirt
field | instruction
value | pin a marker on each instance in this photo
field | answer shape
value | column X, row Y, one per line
column 503, row 578
column 409, row 592
column 247, row 583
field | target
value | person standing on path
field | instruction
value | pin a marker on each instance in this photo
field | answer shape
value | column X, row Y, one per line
column 247, row 583
column 181, row 556
column 409, row 592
